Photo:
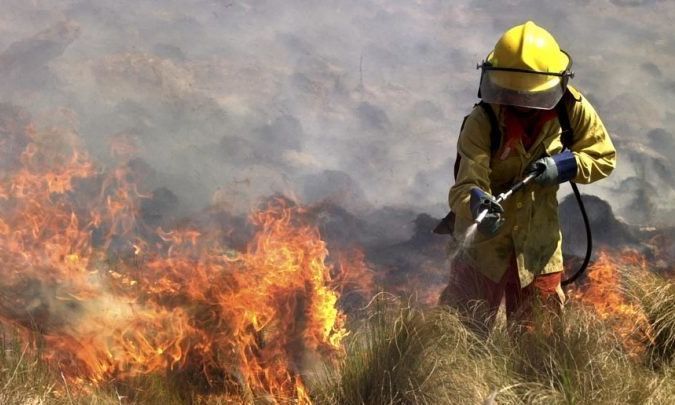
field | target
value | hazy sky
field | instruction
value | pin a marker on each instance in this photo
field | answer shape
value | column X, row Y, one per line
column 360, row 101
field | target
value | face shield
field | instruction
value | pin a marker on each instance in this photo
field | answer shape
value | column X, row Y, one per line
column 521, row 87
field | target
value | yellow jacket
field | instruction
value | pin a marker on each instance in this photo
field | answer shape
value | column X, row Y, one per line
column 531, row 231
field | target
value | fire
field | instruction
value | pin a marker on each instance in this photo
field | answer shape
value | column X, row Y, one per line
column 354, row 274
column 604, row 294
column 106, row 298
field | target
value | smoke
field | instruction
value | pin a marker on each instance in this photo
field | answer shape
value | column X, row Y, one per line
column 350, row 100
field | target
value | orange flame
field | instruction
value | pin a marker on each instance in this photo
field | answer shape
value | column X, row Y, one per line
column 110, row 299
column 354, row 274
column 603, row 293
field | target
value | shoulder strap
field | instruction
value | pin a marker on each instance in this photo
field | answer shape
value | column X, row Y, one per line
column 495, row 133
column 570, row 97
column 563, row 117
column 459, row 157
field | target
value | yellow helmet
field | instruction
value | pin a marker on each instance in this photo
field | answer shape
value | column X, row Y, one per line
column 527, row 68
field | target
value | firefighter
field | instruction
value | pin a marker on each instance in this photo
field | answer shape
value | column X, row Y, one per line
column 516, row 253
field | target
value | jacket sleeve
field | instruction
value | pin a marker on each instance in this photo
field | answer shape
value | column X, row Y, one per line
column 473, row 148
column 592, row 146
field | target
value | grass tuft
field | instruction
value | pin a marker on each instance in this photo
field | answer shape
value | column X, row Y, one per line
column 656, row 297
column 402, row 355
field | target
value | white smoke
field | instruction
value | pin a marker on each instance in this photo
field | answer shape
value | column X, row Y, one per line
column 247, row 98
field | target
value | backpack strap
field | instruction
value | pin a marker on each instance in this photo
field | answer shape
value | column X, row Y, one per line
column 495, row 132
column 459, row 157
column 567, row 135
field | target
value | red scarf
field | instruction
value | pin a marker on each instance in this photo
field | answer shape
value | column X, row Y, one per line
column 524, row 128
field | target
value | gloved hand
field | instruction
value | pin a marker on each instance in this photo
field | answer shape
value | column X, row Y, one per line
column 554, row 169
column 480, row 201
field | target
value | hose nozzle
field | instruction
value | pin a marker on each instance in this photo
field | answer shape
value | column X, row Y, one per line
column 505, row 195
column 481, row 216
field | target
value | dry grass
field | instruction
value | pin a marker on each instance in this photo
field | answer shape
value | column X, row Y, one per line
column 656, row 297
column 403, row 354
column 24, row 379
column 406, row 355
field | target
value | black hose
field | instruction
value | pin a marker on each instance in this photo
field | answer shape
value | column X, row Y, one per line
column 589, row 238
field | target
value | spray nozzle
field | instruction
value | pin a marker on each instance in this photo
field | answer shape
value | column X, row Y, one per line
column 505, row 195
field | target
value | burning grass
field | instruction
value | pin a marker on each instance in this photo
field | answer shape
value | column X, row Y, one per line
column 100, row 307
column 101, row 298
column 401, row 353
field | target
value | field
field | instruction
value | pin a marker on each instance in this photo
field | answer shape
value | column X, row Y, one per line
column 401, row 353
